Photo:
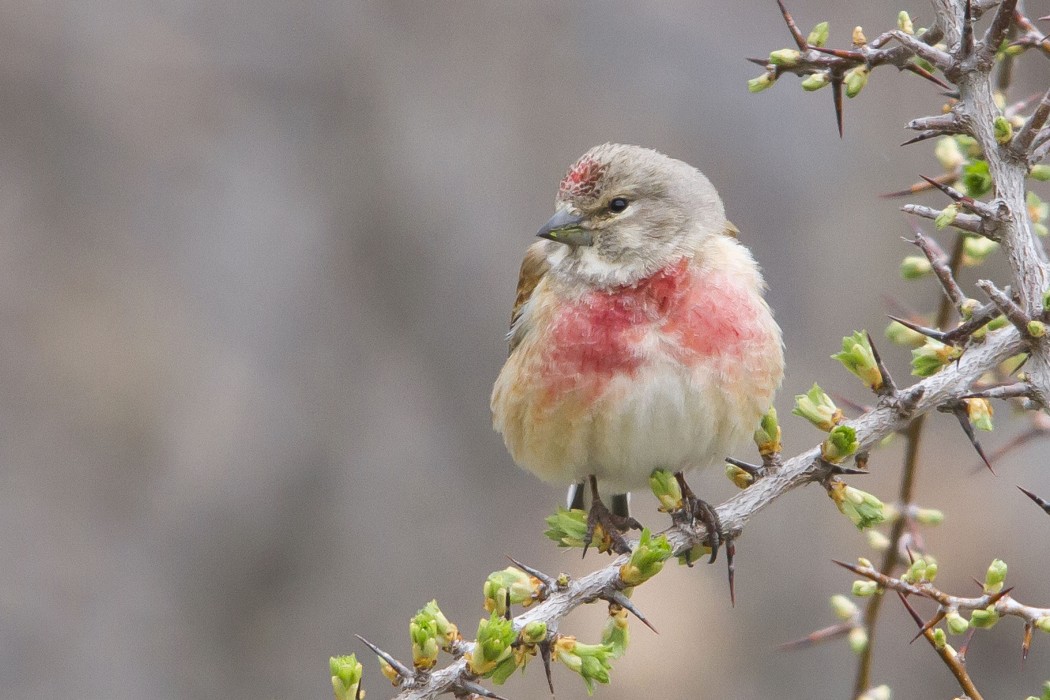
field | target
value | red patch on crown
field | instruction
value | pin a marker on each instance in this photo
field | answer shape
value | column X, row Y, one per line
column 582, row 179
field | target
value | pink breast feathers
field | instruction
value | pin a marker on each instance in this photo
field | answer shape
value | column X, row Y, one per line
column 601, row 335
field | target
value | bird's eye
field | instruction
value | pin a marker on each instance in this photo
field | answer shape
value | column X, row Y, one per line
column 617, row 205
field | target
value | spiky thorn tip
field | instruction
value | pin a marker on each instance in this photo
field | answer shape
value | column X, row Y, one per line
column 619, row 598
column 477, row 689
column 835, row 631
column 928, row 332
column 1041, row 502
column 549, row 582
column 796, row 33
column 402, row 670
column 958, row 409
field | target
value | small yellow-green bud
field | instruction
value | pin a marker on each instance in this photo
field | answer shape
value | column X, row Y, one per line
column 818, row 408
column 646, row 560
column 931, row 571
column 979, row 412
column 448, row 633
column 740, row 477
column 1014, row 50
column 493, row 652
column 389, row 672
column 929, row 516
column 920, row 571
column 996, row 574
column 976, row 180
column 425, row 644
column 1040, row 172
column 939, row 638
column 998, row 322
column 858, row 357
column 1004, row 131
column 815, row 81
column 983, row 619
column 346, row 677
column 904, row 22
column 976, row 249
column 840, row 444
column 932, row 357
column 819, row 35
column 864, row 588
column 761, row 83
column 785, row 57
column 767, row 436
column 666, row 489
column 855, row 79
column 863, row 509
column 858, row 36
column 1043, row 624
column 534, row 632
column 957, row 624
column 615, row 634
column 948, row 153
column 1036, row 329
column 915, row 266
column 591, row 661
column 843, row 607
column 899, row 334
column 864, row 563
column 858, row 640
column 568, row 527
column 522, row 589
column 946, row 217
column 878, row 541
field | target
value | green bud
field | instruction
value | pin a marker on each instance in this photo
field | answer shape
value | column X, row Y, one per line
column 767, row 437
column 389, row 672
column 976, row 249
column 858, row 357
column 878, row 541
column 856, row 78
column 858, row 36
column 904, row 23
column 939, row 638
column 843, row 607
column 996, row 574
column 762, row 82
column 1004, row 131
column 1014, row 50
column 819, row 35
column 948, row 153
column 425, row 644
column 983, row 619
column 997, row 323
column 864, row 588
column 818, row 408
column 666, row 489
column 899, row 334
column 615, row 634
column 1043, row 624
column 591, row 661
column 522, row 589
column 646, row 560
column 858, row 640
column 568, row 527
column 863, row 509
column 493, row 651
column 932, row 357
column 929, row 516
column 785, row 57
column 915, row 266
column 957, row 624
column 740, row 477
column 980, row 413
column 969, row 145
column 864, row 563
column 1040, row 172
column 534, row 632
column 931, row 571
column 946, row 217
column 920, row 571
column 840, row 444
column 346, row 677
column 976, row 180
column 1037, row 208
column 815, row 81
column 1036, row 329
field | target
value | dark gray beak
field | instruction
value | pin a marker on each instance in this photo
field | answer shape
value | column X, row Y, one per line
column 565, row 227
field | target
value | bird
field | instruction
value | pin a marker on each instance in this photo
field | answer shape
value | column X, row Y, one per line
column 639, row 339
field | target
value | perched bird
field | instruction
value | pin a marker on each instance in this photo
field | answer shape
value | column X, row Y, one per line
column 639, row 338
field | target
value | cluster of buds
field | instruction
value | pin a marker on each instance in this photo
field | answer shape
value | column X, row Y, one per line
column 430, row 631
column 767, row 436
column 818, row 408
column 789, row 58
column 862, row 508
column 979, row 411
column 615, row 633
column 510, row 585
column 922, row 570
column 568, row 528
column 995, row 576
column 840, row 444
column 740, row 477
column 932, row 357
column 667, row 490
column 591, row 661
column 646, row 560
column 858, row 357
column 346, row 677
column 493, row 653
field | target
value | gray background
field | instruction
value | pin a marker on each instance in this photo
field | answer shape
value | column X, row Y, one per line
column 257, row 260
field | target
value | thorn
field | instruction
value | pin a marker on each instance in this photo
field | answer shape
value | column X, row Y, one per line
column 911, row 610
column 966, row 44
column 731, row 567
column 472, row 687
column 823, row 635
column 955, row 194
column 549, row 581
column 934, row 621
column 796, row 34
column 842, row 470
column 966, row 644
column 851, row 567
column 888, row 388
column 506, row 607
column 924, row 136
column 918, row 187
column 758, row 61
column 751, row 469
column 964, row 421
column 621, row 599
column 404, row 671
column 923, row 73
column 836, row 95
column 996, row 597
column 545, row 655
column 928, row 332
column 1041, row 502
column 842, row 53
column 1026, row 641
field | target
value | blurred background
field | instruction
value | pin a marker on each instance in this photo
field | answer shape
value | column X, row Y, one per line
column 257, row 260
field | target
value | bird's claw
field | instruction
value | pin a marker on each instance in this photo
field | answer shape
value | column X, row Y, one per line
column 694, row 509
column 612, row 526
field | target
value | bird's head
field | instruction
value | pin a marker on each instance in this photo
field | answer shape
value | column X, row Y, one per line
column 624, row 212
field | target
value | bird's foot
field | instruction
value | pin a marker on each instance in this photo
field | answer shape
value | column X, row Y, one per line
column 696, row 509
column 609, row 524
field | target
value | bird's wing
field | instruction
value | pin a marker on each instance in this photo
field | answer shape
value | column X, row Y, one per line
column 533, row 268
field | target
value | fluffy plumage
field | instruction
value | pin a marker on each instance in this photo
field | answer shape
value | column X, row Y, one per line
column 644, row 341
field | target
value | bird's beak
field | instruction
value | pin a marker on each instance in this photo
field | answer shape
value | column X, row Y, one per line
column 565, row 227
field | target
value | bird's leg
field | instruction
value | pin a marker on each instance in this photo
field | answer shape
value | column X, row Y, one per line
column 693, row 509
column 612, row 525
